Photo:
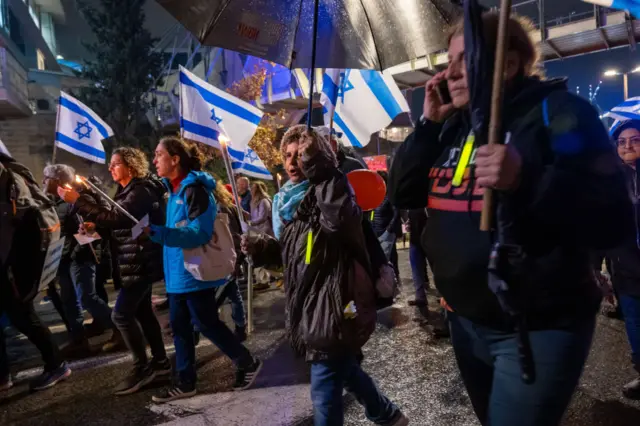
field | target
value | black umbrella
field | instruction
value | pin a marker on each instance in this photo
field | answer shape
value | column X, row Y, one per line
column 376, row 34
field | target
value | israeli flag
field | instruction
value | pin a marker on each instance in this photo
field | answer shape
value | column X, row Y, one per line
column 79, row 130
column 362, row 102
column 632, row 6
column 628, row 110
column 251, row 166
column 206, row 112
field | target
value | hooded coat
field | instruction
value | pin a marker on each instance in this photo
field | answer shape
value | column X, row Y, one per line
column 191, row 213
column 135, row 260
column 571, row 199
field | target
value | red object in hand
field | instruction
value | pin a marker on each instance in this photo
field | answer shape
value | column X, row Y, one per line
column 229, row 188
column 369, row 188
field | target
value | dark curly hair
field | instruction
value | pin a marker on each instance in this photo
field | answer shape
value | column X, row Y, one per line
column 135, row 160
column 191, row 158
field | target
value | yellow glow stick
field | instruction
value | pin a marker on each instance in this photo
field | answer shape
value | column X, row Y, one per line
column 464, row 160
column 307, row 258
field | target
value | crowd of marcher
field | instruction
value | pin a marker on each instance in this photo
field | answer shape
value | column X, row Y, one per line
column 521, row 327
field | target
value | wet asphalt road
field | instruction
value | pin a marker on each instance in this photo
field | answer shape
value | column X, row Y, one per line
column 414, row 369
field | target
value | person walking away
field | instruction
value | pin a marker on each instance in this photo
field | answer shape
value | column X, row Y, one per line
column 330, row 300
column 77, row 271
column 417, row 256
column 625, row 259
column 562, row 183
column 387, row 225
column 243, row 184
column 231, row 290
column 137, row 262
column 191, row 213
column 21, row 264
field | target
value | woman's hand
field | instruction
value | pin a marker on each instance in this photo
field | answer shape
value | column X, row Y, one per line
column 69, row 195
column 434, row 108
column 498, row 167
column 87, row 228
column 308, row 146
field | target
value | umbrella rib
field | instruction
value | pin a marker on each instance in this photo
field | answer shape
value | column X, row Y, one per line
column 215, row 20
column 295, row 35
column 375, row 45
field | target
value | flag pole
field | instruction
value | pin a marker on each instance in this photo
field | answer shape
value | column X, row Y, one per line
column 245, row 228
column 55, row 145
column 495, row 123
column 314, row 40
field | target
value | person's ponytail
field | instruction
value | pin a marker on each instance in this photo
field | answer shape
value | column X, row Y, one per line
column 191, row 158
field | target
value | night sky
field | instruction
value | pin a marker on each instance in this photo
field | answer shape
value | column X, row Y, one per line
column 588, row 69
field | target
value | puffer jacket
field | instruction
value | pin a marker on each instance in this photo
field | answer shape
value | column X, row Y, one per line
column 320, row 285
column 135, row 261
column 191, row 212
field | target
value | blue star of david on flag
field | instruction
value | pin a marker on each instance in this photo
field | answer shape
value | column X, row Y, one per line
column 214, row 117
column 251, row 156
column 83, row 130
column 345, row 86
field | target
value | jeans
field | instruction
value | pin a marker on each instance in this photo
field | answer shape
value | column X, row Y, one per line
column 489, row 365
column 71, row 301
column 630, row 306
column 419, row 271
column 231, row 291
column 329, row 378
column 84, row 280
column 133, row 316
column 198, row 309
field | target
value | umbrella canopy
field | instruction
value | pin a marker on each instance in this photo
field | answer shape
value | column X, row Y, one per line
column 375, row 34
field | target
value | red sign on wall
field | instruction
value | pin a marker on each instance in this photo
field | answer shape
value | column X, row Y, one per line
column 376, row 162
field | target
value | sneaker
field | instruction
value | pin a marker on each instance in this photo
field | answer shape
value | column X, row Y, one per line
column 162, row 368
column 241, row 333
column 245, row 377
column 632, row 390
column 49, row 379
column 174, row 392
column 399, row 420
column 115, row 343
column 6, row 383
column 138, row 378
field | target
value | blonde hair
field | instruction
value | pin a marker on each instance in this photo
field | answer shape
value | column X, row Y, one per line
column 262, row 193
column 520, row 40
column 222, row 195
column 134, row 159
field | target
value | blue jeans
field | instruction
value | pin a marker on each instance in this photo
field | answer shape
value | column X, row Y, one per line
column 329, row 378
column 419, row 271
column 231, row 291
column 489, row 365
column 71, row 301
column 199, row 309
column 630, row 306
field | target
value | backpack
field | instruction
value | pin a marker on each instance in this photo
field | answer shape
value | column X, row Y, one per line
column 216, row 259
column 26, row 210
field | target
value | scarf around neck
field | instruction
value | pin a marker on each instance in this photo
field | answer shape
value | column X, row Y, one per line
column 285, row 204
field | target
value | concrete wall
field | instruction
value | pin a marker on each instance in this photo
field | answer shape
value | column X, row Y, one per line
column 30, row 141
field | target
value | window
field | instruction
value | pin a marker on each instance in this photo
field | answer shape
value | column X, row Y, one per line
column 41, row 60
column 33, row 11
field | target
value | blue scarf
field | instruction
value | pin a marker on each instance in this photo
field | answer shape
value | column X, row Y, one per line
column 285, row 204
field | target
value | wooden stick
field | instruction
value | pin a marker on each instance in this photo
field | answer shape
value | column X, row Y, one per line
column 495, row 123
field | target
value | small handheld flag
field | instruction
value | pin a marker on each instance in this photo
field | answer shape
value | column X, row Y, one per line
column 79, row 130
column 362, row 102
column 251, row 166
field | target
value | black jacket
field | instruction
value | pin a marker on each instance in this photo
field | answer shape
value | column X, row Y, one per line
column 625, row 258
column 386, row 218
column 69, row 224
column 134, row 260
column 417, row 225
column 571, row 199
column 348, row 164
column 337, row 273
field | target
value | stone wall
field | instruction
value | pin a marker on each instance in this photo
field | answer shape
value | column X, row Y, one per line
column 30, row 142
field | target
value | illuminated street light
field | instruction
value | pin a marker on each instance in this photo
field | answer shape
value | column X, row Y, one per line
column 625, row 78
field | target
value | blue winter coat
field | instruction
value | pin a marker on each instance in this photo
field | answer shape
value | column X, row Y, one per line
column 181, row 231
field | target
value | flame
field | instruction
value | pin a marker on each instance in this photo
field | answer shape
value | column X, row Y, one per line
column 79, row 179
column 66, row 185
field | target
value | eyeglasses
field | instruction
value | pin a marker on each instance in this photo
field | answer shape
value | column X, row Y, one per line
column 635, row 140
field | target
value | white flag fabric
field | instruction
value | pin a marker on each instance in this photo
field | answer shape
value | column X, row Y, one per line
column 365, row 102
column 251, row 166
column 4, row 150
column 206, row 112
column 79, row 130
column 628, row 110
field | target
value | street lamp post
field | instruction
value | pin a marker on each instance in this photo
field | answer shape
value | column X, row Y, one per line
column 625, row 78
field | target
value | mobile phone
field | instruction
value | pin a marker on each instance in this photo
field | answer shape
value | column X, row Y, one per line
column 443, row 91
